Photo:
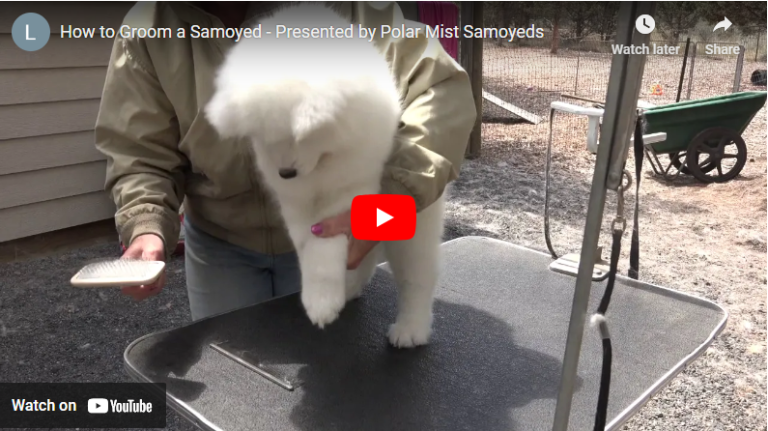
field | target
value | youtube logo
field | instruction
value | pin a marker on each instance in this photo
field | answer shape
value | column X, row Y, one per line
column 98, row 406
column 383, row 217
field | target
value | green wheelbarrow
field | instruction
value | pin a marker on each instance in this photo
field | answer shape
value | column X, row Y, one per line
column 703, row 136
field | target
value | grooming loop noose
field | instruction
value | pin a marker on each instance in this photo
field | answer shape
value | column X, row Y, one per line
column 618, row 227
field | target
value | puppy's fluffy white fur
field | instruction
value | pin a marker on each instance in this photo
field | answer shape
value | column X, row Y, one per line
column 330, row 109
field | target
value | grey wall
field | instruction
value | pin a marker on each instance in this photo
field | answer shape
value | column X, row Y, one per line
column 51, row 176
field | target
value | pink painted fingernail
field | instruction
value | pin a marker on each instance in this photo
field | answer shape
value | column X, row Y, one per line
column 317, row 229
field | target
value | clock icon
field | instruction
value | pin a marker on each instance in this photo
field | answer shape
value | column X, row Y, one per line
column 645, row 24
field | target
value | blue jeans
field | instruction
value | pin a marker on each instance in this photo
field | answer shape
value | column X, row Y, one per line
column 223, row 277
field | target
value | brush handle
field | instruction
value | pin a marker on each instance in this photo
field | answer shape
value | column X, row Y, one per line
column 118, row 274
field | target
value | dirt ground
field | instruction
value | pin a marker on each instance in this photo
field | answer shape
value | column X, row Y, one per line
column 706, row 240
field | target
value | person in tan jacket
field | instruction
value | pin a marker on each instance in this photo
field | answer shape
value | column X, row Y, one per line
column 161, row 151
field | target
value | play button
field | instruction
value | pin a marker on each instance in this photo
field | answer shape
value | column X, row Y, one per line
column 382, row 217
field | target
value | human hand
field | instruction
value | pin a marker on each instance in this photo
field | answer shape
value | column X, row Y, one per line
column 145, row 247
column 341, row 224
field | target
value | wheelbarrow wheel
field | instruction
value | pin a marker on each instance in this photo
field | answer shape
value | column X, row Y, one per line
column 678, row 161
column 718, row 151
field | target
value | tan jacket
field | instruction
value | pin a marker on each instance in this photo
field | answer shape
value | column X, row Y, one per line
column 161, row 150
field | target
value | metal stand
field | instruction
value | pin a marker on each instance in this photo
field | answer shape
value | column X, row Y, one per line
column 620, row 114
column 569, row 264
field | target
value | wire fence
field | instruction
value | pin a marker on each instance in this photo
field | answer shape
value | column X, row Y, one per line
column 529, row 77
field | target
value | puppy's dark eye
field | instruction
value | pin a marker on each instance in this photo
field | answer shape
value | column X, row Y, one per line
column 287, row 173
column 401, row 125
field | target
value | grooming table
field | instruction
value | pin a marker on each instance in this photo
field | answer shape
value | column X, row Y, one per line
column 494, row 362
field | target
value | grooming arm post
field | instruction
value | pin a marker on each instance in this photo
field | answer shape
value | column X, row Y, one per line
column 593, row 114
column 620, row 113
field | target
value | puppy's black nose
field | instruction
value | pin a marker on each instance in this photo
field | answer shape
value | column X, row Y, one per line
column 287, row 173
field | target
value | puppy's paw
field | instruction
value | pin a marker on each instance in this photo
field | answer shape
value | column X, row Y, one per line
column 408, row 333
column 322, row 306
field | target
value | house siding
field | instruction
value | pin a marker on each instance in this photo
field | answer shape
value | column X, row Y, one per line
column 51, row 176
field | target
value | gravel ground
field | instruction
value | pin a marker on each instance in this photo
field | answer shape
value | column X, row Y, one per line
column 52, row 332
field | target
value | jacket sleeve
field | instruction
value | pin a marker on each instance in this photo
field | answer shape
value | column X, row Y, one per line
column 439, row 114
column 137, row 131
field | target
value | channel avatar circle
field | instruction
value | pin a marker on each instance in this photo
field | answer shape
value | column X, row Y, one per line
column 30, row 31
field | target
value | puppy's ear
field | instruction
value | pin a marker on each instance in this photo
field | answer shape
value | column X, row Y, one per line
column 315, row 111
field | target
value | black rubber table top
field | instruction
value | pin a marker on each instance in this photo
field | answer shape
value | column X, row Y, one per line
column 494, row 362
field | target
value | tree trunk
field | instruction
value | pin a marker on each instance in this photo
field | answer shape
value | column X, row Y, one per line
column 677, row 30
column 579, row 30
column 555, row 35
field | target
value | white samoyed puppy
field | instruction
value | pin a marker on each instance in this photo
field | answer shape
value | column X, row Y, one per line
column 322, row 116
